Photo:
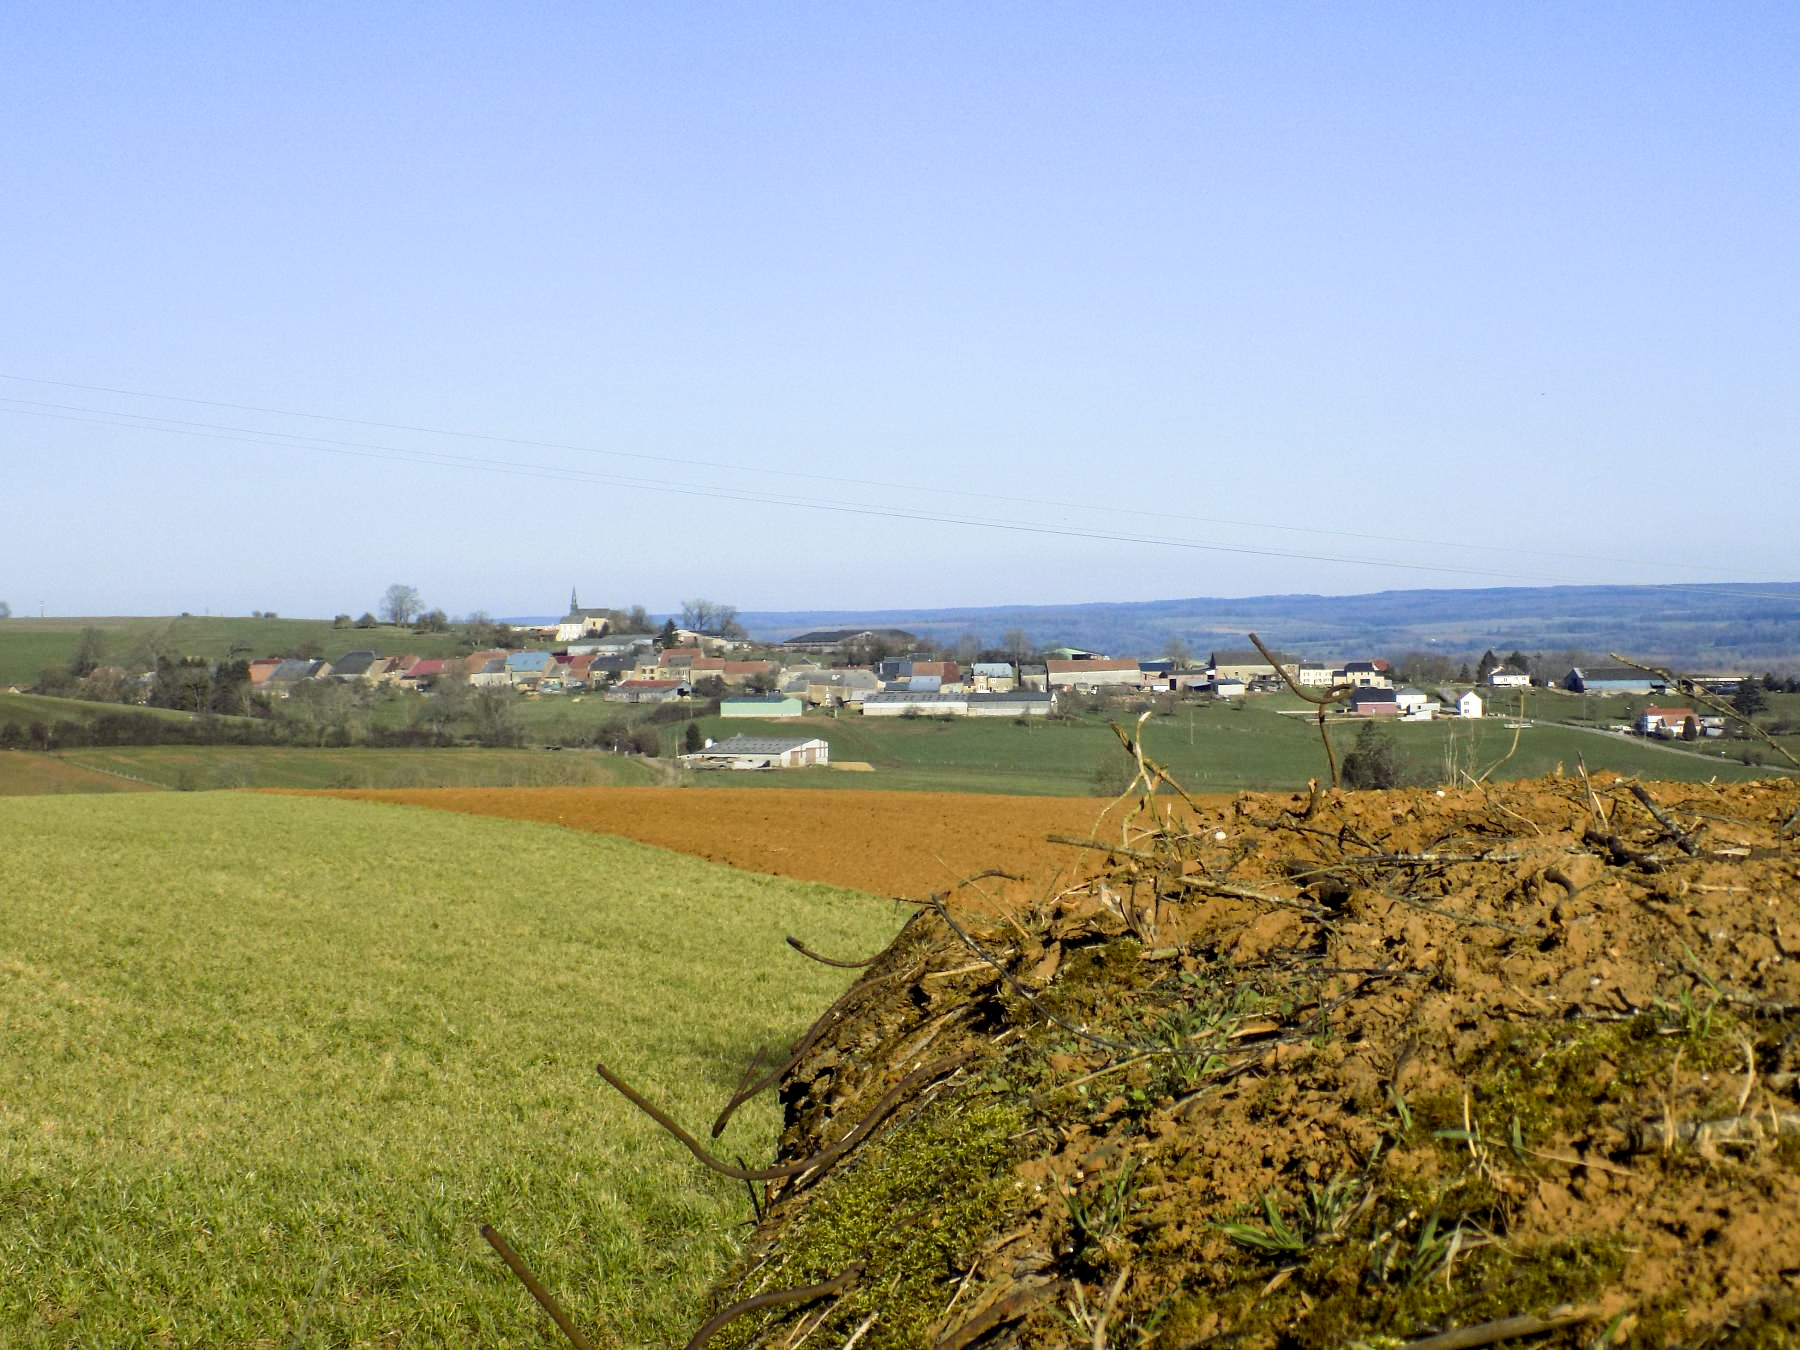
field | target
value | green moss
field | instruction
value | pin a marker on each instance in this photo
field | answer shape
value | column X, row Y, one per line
column 913, row 1206
column 1537, row 1082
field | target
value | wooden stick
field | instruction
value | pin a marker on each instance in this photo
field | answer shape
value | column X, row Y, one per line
column 541, row 1294
column 1504, row 1329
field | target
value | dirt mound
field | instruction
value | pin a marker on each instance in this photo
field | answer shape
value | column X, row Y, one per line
column 887, row 843
column 1381, row 1069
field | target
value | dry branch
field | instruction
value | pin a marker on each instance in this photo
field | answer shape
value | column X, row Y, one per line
column 775, row 1298
column 538, row 1292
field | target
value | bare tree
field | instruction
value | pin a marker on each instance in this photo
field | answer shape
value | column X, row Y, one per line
column 1179, row 652
column 1017, row 645
column 400, row 604
column 708, row 616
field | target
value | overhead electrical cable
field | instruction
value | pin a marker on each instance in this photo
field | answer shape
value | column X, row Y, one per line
column 446, row 459
column 767, row 470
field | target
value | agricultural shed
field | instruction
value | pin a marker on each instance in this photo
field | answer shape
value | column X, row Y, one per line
column 761, row 705
column 1609, row 680
column 1667, row 721
column 647, row 691
column 923, row 702
column 1505, row 677
column 761, row 752
column 1092, row 674
column 1247, row 665
column 1011, row 703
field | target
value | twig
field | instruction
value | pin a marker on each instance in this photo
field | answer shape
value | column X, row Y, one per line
column 830, row 1154
column 1032, row 998
column 1730, row 1130
column 861, row 1330
column 1504, row 1329
column 1112, row 1301
column 823, row 960
column 1621, row 851
column 1683, row 840
column 541, row 1294
column 1117, row 849
column 1322, row 701
column 1246, row 893
column 1593, row 797
column 1517, row 930
column 1014, row 1306
column 774, row 1298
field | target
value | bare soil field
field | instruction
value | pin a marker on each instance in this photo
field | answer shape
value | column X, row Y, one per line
column 887, row 843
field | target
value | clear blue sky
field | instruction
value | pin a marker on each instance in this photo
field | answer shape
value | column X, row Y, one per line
column 1491, row 285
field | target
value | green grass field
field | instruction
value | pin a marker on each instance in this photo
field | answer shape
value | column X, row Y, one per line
column 24, row 709
column 270, row 1061
column 206, row 767
column 1208, row 747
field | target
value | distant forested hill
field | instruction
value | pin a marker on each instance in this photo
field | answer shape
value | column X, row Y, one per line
column 1738, row 625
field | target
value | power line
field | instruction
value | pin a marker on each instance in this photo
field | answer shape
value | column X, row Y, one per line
column 775, row 470
column 443, row 459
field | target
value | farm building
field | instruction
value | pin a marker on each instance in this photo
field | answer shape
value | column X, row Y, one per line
column 646, row 691
column 1505, row 677
column 992, row 677
column 530, row 668
column 1668, row 722
column 761, row 752
column 918, row 702
column 761, row 705
column 1609, row 680
column 1014, row 703
column 1248, row 665
column 1414, row 703
column 1227, row 686
column 1372, row 702
column 1092, row 674
column 1315, row 675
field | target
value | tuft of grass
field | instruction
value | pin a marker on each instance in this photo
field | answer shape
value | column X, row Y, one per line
column 270, row 1061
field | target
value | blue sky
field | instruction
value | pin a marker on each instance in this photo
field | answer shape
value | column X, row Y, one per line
column 1176, row 300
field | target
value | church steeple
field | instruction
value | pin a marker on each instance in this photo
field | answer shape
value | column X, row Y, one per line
column 574, row 602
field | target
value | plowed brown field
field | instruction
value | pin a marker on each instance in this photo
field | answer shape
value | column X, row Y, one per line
column 887, row 843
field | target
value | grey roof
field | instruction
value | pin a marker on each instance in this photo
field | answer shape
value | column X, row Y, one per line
column 757, row 698
column 1588, row 674
column 992, row 668
column 1374, row 696
column 353, row 663
column 921, row 696
column 1020, row 696
column 758, row 745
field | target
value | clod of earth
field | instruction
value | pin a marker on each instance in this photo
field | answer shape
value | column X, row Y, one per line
column 1371, row 1068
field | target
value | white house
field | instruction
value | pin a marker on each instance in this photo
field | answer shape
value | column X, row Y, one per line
column 1415, row 704
column 1469, row 705
column 1505, row 677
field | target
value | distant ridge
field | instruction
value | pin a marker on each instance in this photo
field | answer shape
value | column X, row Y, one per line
column 1703, row 626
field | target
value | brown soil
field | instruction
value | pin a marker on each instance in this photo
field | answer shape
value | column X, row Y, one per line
column 1377, row 1069
column 887, row 843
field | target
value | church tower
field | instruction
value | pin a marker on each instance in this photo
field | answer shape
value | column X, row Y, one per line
column 574, row 603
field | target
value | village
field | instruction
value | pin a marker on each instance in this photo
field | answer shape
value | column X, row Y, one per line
column 887, row 673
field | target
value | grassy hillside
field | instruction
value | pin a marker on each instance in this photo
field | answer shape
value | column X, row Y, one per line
column 27, row 646
column 271, row 1060
column 25, row 709
column 205, row 767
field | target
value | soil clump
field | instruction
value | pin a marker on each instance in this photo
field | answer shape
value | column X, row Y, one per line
column 1507, row 1065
